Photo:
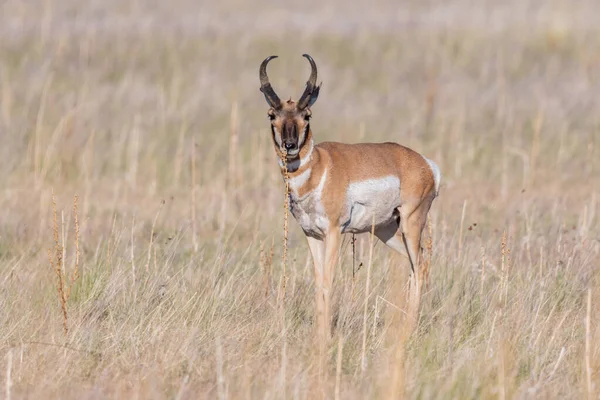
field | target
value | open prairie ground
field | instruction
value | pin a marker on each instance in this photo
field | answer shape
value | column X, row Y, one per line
column 150, row 113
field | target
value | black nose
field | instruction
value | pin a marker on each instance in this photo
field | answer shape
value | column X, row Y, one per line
column 290, row 146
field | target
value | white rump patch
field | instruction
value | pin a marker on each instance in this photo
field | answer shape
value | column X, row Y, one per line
column 437, row 176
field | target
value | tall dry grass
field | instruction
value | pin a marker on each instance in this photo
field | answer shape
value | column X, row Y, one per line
column 150, row 113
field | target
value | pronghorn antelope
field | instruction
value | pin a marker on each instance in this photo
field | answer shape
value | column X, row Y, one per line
column 338, row 188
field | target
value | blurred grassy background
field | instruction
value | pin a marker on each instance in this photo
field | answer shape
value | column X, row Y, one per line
column 132, row 105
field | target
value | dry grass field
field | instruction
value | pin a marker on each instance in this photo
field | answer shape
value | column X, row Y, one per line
column 150, row 113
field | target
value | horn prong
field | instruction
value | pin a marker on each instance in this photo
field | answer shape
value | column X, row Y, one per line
column 307, row 97
column 313, row 69
column 265, row 85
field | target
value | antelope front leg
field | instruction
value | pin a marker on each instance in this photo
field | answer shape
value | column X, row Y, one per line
column 317, row 250
column 332, row 249
column 324, row 254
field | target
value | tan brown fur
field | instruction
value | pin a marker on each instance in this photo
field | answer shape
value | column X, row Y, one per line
column 382, row 159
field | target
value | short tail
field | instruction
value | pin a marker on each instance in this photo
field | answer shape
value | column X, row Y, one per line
column 437, row 176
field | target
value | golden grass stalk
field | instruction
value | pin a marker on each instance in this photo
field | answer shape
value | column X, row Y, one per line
column 179, row 155
column 501, row 369
column 7, row 98
column 286, row 208
column 75, row 274
column 132, row 255
column 363, row 359
column 397, row 382
column 502, row 264
column 109, row 253
column 429, row 247
column 63, row 288
column 502, row 300
column 77, row 254
column 152, row 238
column 8, row 375
column 56, row 264
column 353, row 242
column 221, row 385
column 284, row 359
column 266, row 261
column 233, row 145
column 535, row 143
column 338, row 368
column 376, row 316
column 482, row 271
column 37, row 145
column 504, row 268
column 193, row 205
column 588, row 343
column 460, row 235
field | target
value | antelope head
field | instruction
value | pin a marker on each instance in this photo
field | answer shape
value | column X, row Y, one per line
column 290, row 126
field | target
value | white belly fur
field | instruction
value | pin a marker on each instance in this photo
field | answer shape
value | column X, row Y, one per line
column 370, row 201
column 367, row 202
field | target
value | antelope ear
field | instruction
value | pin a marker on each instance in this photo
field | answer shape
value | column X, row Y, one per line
column 314, row 95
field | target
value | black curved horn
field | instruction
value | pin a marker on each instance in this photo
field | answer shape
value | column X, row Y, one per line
column 265, row 86
column 312, row 91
